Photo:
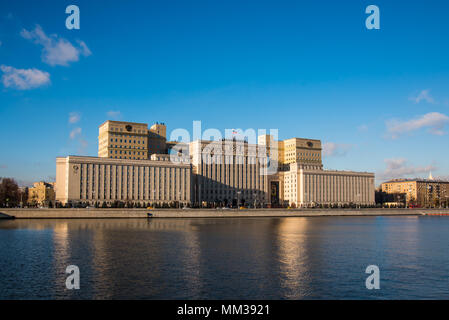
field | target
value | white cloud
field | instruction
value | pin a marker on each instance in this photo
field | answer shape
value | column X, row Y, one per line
column 75, row 132
column 85, row 51
column 398, row 168
column 434, row 121
column 362, row 128
column 23, row 79
column 74, row 117
column 56, row 50
column 114, row 114
column 424, row 95
column 331, row 149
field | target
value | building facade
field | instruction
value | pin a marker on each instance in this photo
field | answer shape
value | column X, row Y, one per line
column 130, row 140
column 419, row 192
column 301, row 180
column 229, row 172
column 309, row 187
column 137, row 164
column 94, row 179
column 42, row 193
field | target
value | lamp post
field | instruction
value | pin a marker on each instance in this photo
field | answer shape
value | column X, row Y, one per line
column 238, row 199
column 255, row 200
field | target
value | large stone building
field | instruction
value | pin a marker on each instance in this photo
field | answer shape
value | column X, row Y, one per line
column 94, row 179
column 419, row 192
column 229, row 172
column 129, row 140
column 138, row 165
column 301, row 181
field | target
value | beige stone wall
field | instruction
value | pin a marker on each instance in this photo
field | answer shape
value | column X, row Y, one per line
column 299, row 150
column 92, row 179
column 123, row 140
column 308, row 187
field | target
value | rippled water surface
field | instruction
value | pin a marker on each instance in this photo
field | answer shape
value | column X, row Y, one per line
column 236, row 258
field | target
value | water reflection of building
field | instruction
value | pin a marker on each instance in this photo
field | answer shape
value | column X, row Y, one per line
column 294, row 257
column 61, row 251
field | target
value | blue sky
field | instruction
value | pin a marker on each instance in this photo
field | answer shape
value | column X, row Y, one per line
column 378, row 99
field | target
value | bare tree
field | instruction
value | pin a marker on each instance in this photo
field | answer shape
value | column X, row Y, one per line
column 9, row 192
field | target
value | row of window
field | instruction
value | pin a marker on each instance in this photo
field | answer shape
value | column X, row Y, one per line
column 127, row 141
column 335, row 188
column 147, row 178
column 126, row 152
column 133, row 130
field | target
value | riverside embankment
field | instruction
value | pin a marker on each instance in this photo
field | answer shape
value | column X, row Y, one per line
column 205, row 213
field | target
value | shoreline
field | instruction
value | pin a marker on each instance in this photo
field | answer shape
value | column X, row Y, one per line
column 100, row 213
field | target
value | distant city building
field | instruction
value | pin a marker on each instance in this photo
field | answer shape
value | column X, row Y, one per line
column 42, row 194
column 135, row 164
column 419, row 192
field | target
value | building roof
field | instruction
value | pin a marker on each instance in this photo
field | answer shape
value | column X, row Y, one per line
column 124, row 122
column 416, row 180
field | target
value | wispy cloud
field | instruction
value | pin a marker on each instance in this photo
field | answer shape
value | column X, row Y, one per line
column 362, row 128
column 114, row 114
column 74, row 117
column 331, row 149
column 75, row 132
column 56, row 50
column 399, row 168
column 85, row 51
column 434, row 121
column 424, row 95
column 23, row 79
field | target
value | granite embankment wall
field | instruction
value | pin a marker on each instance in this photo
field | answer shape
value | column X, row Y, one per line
column 204, row 213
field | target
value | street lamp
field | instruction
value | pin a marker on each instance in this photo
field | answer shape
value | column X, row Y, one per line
column 255, row 200
column 238, row 199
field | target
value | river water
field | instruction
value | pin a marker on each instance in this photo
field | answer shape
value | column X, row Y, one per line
column 235, row 258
